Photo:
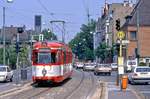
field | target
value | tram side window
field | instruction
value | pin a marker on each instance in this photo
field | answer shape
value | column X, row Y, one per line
column 53, row 57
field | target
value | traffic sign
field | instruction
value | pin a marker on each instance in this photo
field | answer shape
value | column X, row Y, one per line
column 123, row 41
column 120, row 61
column 120, row 34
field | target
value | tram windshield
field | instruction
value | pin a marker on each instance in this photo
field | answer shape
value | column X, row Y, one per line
column 44, row 58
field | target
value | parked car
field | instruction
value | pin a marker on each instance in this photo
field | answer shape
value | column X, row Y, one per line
column 114, row 66
column 103, row 69
column 79, row 65
column 6, row 74
column 89, row 66
column 140, row 74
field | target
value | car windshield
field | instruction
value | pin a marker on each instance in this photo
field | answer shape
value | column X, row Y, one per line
column 143, row 70
column 2, row 69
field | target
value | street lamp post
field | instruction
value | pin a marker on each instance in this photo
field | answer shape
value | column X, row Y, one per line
column 93, row 34
column 4, row 43
column 4, row 36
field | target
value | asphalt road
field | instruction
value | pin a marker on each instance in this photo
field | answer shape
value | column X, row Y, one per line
column 69, row 85
column 9, row 85
column 80, row 86
column 144, row 89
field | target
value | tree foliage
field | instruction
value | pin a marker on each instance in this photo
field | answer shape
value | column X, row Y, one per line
column 48, row 35
column 82, row 44
column 103, row 51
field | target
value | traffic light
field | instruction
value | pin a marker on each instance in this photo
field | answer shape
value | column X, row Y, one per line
column 118, row 24
column 41, row 37
column 20, row 30
column 18, row 47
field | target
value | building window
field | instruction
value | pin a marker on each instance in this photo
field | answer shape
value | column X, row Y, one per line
column 133, row 35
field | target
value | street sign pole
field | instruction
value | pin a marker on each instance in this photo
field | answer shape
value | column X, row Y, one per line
column 17, row 63
column 120, row 71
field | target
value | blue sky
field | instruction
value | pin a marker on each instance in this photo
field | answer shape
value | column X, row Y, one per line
column 21, row 12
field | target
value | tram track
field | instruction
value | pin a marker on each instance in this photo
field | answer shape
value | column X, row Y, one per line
column 27, row 93
column 92, row 88
column 76, row 88
column 80, row 88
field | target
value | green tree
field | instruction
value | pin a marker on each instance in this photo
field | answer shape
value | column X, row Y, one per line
column 103, row 52
column 48, row 35
column 82, row 44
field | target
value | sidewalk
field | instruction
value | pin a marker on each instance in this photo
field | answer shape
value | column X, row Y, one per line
column 114, row 92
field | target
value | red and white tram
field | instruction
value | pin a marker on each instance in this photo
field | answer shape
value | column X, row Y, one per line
column 51, row 61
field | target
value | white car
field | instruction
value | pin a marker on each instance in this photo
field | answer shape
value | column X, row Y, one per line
column 79, row 65
column 114, row 66
column 140, row 74
column 6, row 74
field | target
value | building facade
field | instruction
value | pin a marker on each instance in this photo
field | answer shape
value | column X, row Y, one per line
column 106, row 24
column 137, row 30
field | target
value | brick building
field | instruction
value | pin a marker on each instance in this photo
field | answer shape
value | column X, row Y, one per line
column 106, row 25
column 11, row 34
column 139, row 37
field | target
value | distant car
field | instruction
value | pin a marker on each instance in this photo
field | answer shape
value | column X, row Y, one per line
column 140, row 74
column 131, row 64
column 89, row 66
column 114, row 66
column 79, row 65
column 103, row 69
column 6, row 74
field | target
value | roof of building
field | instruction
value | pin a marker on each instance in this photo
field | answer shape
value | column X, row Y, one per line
column 142, row 8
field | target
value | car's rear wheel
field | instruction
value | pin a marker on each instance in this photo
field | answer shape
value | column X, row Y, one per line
column 95, row 73
column 11, row 79
column 6, row 79
column 131, row 82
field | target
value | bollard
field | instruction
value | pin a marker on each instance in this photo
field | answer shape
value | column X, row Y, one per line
column 124, row 81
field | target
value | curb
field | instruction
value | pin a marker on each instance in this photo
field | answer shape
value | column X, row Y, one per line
column 103, row 90
column 100, row 92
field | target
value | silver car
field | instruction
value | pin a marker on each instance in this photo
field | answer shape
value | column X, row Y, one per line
column 140, row 74
column 89, row 67
column 5, row 73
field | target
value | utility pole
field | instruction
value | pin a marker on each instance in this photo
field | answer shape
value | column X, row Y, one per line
column 86, row 6
column 4, row 38
column 63, row 28
column 4, row 33
column 138, row 40
column 17, row 63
